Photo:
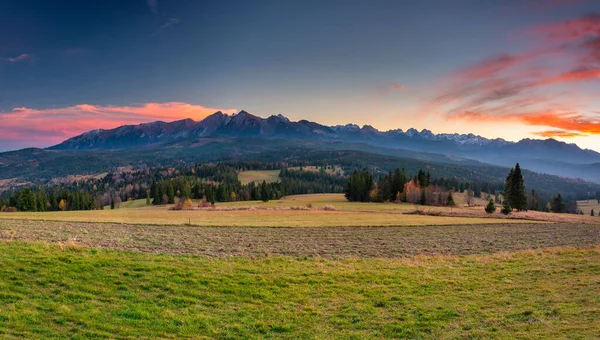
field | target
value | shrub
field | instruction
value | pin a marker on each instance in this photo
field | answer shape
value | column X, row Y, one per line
column 10, row 209
column 309, row 205
column 177, row 206
column 205, row 204
column 490, row 207
column 329, row 207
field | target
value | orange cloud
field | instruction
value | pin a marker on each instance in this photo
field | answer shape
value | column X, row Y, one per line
column 560, row 120
column 558, row 133
column 33, row 127
column 544, row 86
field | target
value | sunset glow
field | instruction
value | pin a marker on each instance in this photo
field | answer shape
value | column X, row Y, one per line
column 538, row 76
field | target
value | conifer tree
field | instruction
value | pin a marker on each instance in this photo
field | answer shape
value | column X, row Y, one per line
column 506, row 208
column 264, row 194
column 450, row 199
column 518, row 198
column 490, row 207
column 27, row 200
column 170, row 193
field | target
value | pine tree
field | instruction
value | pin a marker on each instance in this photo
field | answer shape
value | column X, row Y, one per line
column 42, row 200
column 506, row 208
column 592, row 214
column 490, row 207
column 557, row 205
column 450, row 199
column 170, row 193
column 27, row 200
column 153, row 189
column 158, row 194
column 508, row 185
column 264, row 194
column 518, row 198
column 112, row 204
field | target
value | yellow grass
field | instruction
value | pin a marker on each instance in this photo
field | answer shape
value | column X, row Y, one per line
column 587, row 206
column 294, row 211
column 259, row 176
column 249, row 218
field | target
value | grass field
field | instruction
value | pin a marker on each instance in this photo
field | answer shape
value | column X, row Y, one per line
column 249, row 218
column 77, row 292
column 292, row 211
column 587, row 206
column 258, row 176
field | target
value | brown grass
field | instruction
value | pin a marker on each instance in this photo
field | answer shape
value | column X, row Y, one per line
column 333, row 242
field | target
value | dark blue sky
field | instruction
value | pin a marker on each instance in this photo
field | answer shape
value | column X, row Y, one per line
column 328, row 61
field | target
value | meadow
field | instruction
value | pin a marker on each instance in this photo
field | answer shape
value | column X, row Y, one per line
column 587, row 205
column 48, row 291
column 258, row 176
column 293, row 268
column 317, row 210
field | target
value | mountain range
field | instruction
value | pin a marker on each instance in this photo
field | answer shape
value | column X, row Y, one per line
column 545, row 156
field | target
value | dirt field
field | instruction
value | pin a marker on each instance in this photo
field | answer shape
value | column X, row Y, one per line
column 330, row 242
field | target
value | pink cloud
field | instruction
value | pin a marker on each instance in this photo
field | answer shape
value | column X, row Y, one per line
column 22, row 57
column 398, row 87
column 546, row 85
column 43, row 127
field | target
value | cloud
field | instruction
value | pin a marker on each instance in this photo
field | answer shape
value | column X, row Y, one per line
column 560, row 120
column 167, row 24
column 398, row 87
column 558, row 133
column 153, row 5
column 43, row 127
column 23, row 57
column 549, row 85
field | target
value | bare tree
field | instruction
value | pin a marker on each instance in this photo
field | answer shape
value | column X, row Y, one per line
column 469, row 194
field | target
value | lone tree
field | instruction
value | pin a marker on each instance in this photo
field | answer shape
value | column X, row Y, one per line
column 514, row 189
column 490, row 207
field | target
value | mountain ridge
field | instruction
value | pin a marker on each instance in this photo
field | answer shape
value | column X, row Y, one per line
column 244, row 124
column 243, row 120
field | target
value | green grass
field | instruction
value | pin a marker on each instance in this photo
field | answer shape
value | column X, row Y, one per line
column 258, row 176
column 77, row 292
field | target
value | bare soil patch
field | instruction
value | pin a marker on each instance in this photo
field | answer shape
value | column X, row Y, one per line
column 328, row 242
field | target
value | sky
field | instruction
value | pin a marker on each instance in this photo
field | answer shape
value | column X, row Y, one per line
column 511, row 69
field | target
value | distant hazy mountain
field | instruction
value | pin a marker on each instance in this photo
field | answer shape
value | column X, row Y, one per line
column 548, row 156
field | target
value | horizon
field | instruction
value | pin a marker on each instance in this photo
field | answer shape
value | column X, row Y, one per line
column 263, row 117
column 530, row 70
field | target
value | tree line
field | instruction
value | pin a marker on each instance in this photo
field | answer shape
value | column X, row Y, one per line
column 210, row 182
